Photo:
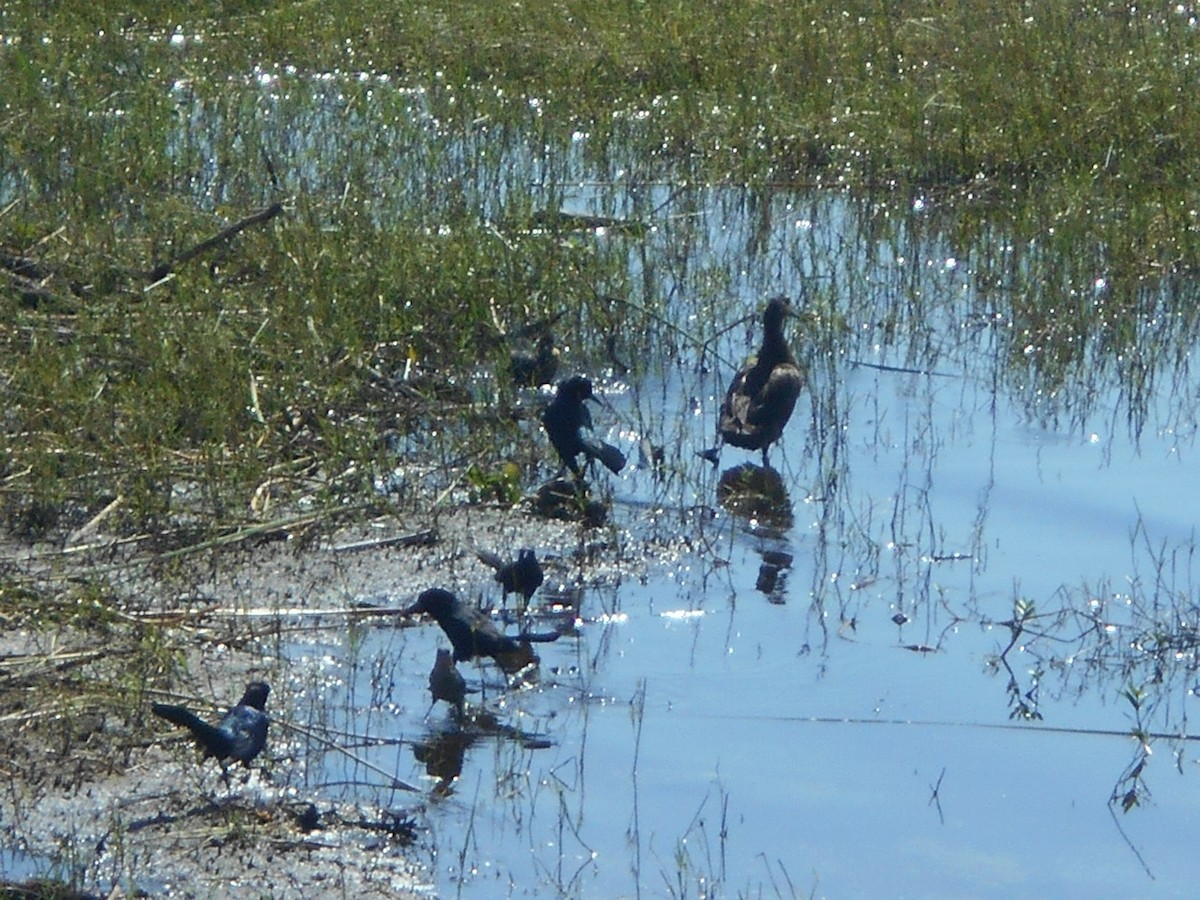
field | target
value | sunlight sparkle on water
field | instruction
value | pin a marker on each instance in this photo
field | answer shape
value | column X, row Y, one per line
column 681, row 614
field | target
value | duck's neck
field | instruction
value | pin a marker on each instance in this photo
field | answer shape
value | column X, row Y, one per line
column 774, row 347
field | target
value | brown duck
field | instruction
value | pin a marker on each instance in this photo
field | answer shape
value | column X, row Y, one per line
column 763, row 394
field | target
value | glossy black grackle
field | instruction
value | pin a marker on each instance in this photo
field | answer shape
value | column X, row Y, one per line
column 446, row 682
column 763, row 394
column 474, row 634
column 565, row 420
column 532, row 369
column 521, row 576
column 240, row 734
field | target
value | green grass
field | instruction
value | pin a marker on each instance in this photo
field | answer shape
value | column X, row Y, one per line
column 265, row 368
column 859, row 90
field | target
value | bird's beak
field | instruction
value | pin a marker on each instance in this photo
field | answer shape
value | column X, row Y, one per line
column 412, row 610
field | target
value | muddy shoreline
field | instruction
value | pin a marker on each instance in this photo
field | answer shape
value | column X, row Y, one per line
column 105, row 798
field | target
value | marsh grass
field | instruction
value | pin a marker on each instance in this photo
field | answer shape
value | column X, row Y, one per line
column 422, row 153
column 931, row 92
column 417, row 149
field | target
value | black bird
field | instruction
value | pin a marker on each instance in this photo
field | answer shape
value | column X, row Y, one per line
column 521, row 576
column 531, row 369
column 241, row 733
column 565, row 419
column 473, row 634
column 446, row 682
column 763, row 394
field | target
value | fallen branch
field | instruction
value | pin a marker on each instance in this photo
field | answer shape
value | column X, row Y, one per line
column 297, row 612
column 158, row 273
column 234, row 536
column 416, row 539
column 392, row 780
column 91, row 526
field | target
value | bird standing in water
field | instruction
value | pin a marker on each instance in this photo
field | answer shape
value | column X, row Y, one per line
column 446, row 682
column 763, row 394
column 523, row 575
column 565, row 420
column 532, row 369
column 240, row 734
column 473, row 634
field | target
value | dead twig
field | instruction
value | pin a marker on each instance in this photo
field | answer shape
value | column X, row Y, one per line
column 90, row 527
column 159, row 272
column 416, row 539
column 391, row 779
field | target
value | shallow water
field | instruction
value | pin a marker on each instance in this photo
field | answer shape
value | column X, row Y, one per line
column 965, row 445
column 852, row 731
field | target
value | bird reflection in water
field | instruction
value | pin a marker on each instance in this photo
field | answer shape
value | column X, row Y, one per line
column 772, row 574
column 758, row 495
column 444, row 752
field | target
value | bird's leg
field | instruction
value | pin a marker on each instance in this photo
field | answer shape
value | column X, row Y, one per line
column 482, row 683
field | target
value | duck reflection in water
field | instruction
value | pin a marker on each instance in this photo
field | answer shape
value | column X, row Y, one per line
column 757, row 494
column 763, row 394
column 772, row 574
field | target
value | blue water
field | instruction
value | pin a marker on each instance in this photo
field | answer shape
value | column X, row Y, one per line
column 946, row 468
column 707, row 738
column 850, row 734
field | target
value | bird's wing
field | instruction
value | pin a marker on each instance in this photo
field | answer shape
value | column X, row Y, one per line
column 778, row 397
column 735, row 410
column 246, row 728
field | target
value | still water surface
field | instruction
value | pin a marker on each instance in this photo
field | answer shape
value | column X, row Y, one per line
column 849, row 733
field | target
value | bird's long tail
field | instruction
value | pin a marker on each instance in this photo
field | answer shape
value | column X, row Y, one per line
column 214, row 741
column 488, row 558
column 544, row 637
column 612, row 458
